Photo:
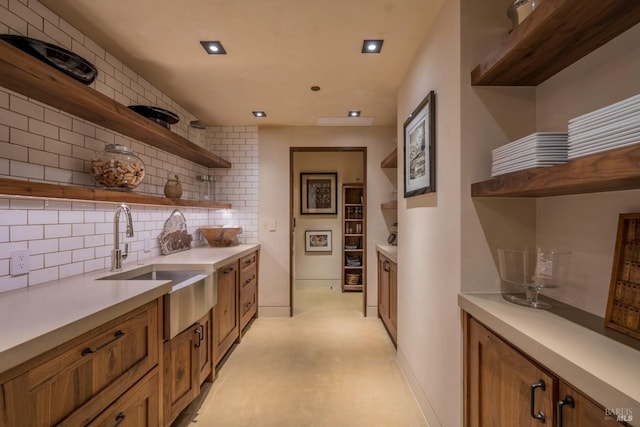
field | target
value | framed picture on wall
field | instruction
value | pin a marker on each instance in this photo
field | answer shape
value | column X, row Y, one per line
column 317, row 241
column 420, row 148
column 318, row 193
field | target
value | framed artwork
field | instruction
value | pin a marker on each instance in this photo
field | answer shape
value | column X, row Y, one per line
column 420, row 148
column 318, row 193
column 317, row 241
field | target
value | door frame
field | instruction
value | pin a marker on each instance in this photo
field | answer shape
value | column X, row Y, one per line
column 292, row 151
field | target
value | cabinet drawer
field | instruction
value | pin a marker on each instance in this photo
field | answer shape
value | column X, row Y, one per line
column 248, row 304
column 248, row 262
column 248, row 278
column 140, row 406
column 75, row 385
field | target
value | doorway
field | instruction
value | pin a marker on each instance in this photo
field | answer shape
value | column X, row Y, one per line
column 319, row 273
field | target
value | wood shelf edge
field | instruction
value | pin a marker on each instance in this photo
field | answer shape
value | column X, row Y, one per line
column 613, row 170
column 554, row 36
column 392, row 204
column 391, row 161
column 28, row 76
column 18, row 188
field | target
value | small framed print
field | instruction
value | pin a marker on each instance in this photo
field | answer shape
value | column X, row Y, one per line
column 420, row 149
column 318, row 193
column 317, row 241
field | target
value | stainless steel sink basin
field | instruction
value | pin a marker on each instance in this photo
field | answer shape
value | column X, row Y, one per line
column 192, row 295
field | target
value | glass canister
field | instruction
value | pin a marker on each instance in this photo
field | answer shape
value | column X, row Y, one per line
column 117, row 167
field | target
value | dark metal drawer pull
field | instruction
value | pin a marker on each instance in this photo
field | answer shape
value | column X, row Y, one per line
column 567, row 401
column 91, row 350
column 119, row 419
column 540, row 415
column 228, row 270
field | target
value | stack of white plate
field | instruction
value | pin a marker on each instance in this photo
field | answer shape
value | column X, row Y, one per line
column 610, row 127
column 538, row 149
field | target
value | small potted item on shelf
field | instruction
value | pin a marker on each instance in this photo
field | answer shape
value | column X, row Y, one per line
column 173, row 187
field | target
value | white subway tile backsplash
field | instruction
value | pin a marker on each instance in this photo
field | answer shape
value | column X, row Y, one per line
column 57, row 258
column 26, row 170
column 9, row 283
column 72, row 269
column 43, row 275
column 70, row 243
column 4, row 267
column 13, row 217
column 82, row 229
column 42, row 217
column 36, row 261
column 26, row 232
column 56, row 231
column 25, row 13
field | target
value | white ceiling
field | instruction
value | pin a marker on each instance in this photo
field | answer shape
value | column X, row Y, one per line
column 276, row 50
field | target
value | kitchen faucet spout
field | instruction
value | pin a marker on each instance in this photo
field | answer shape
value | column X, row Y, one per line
column 116, row 254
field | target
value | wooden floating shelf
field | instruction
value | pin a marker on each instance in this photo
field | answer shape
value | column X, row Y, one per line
column 611, row 170
column 392, row 204
column 18, row 188
column 26, row 75
column 555, row 35
column 391, row 161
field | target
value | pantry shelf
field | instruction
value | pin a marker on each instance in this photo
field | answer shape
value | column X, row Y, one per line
column 26, row 75
column 611, row 170
column 555, row 35
column 18, row 188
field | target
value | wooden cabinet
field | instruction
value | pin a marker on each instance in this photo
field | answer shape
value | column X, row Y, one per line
column 139, row 406
column 181, row 372
column 188, row 362
column 226, row 319
column 72, row 384
column 504, row 387
column 205, row 348
column 354, row 232
column 388, row 295
column 248, row 288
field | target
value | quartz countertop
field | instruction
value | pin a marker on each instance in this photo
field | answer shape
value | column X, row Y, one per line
column 38, row 318
column 389, row 251
column 602, row 368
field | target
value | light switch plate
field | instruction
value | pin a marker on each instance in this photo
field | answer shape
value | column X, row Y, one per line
column 19, row 263
column 272, row 224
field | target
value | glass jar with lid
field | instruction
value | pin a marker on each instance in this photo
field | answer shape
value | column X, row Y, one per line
column 117, row 167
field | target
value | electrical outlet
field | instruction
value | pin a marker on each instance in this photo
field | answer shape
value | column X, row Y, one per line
column 19, row 263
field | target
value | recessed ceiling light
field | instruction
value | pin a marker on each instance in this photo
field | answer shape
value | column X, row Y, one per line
column 315, row 88
column 214, row 48
column 354, row 113
column 259, row 113
column 372, row 46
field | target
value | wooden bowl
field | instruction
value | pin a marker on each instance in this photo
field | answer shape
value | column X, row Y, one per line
column 221, row 236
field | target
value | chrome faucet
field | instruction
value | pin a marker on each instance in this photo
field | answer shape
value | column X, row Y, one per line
column 116, row 254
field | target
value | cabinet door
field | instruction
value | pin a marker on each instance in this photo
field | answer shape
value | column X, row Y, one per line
column 577, row 410
column 501, row 384
column 226, row 320
column 84, row 376
column 139, row 406
column 181, row 372
column 383, row 288
column 393, row 300
column 205, row 349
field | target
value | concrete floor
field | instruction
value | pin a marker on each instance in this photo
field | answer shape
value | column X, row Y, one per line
column 326, row 366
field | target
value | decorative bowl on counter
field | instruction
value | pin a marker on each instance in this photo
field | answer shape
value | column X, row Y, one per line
column 532, row 269
column 221, row 236
column 117, row 167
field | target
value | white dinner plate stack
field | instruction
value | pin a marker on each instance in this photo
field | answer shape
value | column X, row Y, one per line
column 535, row 150
column 609, row 127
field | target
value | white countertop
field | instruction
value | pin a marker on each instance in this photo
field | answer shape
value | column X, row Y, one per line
column 389, row 251
column 38, row 318
column 604, row 369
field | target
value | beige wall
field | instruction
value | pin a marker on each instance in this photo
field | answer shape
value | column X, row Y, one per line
column 274, row 188
column 429, row 234
column 586, row 224
column 322, row 268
